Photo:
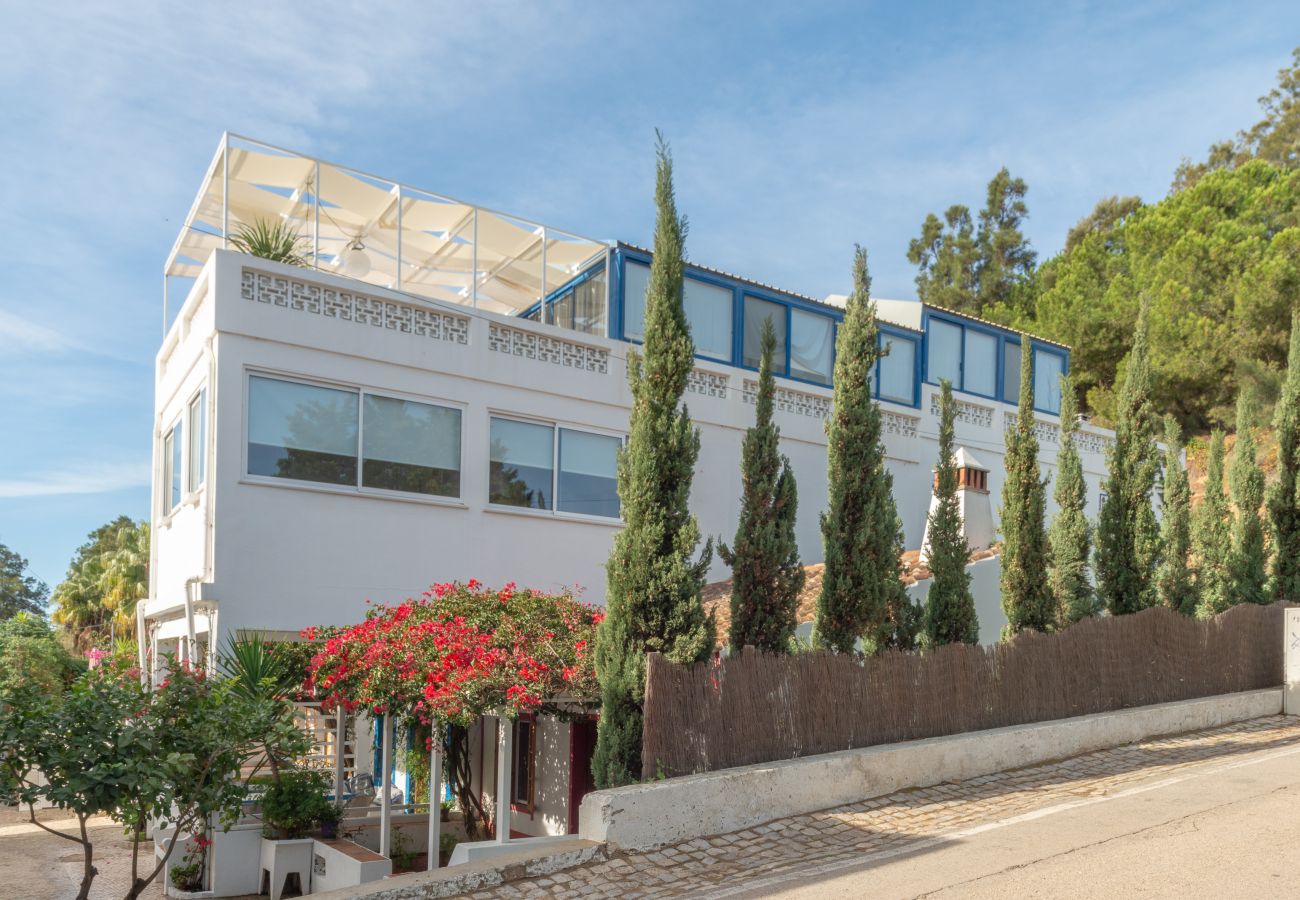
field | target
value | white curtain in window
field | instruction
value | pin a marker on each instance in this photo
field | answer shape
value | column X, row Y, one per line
column 636, row 281
column 980, row 365
column 1048, row 369
column 1010, row 372
column 708, row 312
column 898, row 370
column 943, row 356
column 522, row 444
column 583, row 453
column 812, row 346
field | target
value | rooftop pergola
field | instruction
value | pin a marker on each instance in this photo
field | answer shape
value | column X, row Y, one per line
column 377, row 230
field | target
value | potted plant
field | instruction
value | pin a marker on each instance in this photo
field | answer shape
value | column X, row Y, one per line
column 187, row 876
column 331, row 815
column 293, row 807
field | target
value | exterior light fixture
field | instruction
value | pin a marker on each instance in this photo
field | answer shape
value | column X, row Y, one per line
column 354, row 261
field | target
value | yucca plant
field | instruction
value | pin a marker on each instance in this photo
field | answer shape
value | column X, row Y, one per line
column 275, row 240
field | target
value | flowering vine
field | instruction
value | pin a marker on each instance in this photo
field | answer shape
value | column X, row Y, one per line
column 459, row 651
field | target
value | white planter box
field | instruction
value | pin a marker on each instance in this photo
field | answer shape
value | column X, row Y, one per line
column 279, row 858
column 339, row 863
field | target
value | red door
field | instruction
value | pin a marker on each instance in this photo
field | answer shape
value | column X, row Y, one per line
column 582, row 744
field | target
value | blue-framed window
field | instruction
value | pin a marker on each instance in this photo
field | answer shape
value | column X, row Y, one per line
column 897, row 377
column 579, row 305
column 709, row 308
column 985, row 361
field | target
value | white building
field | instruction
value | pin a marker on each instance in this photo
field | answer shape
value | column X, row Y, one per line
column 440, row 392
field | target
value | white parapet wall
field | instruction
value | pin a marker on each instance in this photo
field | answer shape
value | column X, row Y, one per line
column 1291, row 635
column 649, row 815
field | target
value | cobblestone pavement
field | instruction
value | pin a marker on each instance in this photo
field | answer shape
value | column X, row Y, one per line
column 894, row 824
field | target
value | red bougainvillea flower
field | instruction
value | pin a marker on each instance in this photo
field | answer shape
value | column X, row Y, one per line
column 459, row 651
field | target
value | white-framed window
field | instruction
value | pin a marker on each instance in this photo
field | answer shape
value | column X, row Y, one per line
column 172, row 449
column 536, row 465
column 351, row 437
column 197, row 423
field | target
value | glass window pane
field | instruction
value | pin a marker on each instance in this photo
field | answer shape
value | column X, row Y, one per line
column 589, row 305
column 409, row 446
column 756, row 311
column 521, row 464
column 561, row 310
column 301, row 431
column 636, row 281
column 943, row 359
column 588, row 473
column 1048, row 369
column 708, row 312
column 898, row 370
column 198, row 431
column 175, row 478
column 812, row 346
column 1010, row 372
column 980, row 365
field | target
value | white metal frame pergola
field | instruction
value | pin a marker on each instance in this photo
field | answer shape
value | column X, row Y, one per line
column 416, row 241
column 505, row 752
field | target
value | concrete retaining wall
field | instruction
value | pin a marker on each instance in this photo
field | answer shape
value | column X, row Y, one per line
column 679, row 809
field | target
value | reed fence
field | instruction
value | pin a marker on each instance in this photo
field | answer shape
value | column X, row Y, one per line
column 754, row 708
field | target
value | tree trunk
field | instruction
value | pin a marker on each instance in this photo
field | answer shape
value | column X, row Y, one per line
column 88, row 871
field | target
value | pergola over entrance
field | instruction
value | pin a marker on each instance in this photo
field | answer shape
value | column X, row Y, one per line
column 377, row 230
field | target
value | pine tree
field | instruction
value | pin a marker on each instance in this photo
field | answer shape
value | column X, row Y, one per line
column 1071, row 534
column 1026, row 596
column 1175, row 588
column 1284, row 494
column 949, row 607
column 654, row 582
column 1212, row 537
column 1249, row 563
column 766, row 576
column 1128, row 540
column 861, row 531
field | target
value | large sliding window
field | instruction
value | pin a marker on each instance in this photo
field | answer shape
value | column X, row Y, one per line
column 523, row 470
column 896, row 371
column 1049, row 366
column 410, row 446
column 300, row 431
column 978, row 360
column 708, row 309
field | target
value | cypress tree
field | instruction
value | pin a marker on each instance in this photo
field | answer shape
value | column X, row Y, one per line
column 949, row 607
column 654, row 582
column 1071, row 534
column 1212, row 537
column 766, row 576
column 861, row 531
column 1026, row 596
column 1284, row 494
column 1249, row 563
column 1174, row 586
column 1128, row 540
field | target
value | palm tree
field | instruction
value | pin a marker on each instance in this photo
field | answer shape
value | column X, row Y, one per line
column 275, row 240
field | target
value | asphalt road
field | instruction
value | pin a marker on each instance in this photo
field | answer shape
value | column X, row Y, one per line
column 1224, row 830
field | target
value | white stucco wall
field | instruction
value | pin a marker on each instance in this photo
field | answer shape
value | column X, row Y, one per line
column 284, row 555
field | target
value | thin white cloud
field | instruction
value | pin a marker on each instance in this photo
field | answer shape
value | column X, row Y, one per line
column 18, row 334
column 94, row 478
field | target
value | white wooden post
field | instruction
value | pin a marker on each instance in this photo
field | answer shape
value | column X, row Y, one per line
column 435, row 796
column 1291, row 690
column 385, row 787
column 340, row 742
column 505, row 748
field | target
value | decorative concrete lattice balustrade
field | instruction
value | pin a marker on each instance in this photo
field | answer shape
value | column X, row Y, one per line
column 786, row 400
column 1046, row 432
column 348, row 306
column 543, row 348
column 970, row 413
column 1093, row 443
column 707, row 384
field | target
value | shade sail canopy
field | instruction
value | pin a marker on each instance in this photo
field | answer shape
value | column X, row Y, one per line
column 412, row 240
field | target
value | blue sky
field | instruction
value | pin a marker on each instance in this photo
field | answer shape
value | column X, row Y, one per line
column 798, row 129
